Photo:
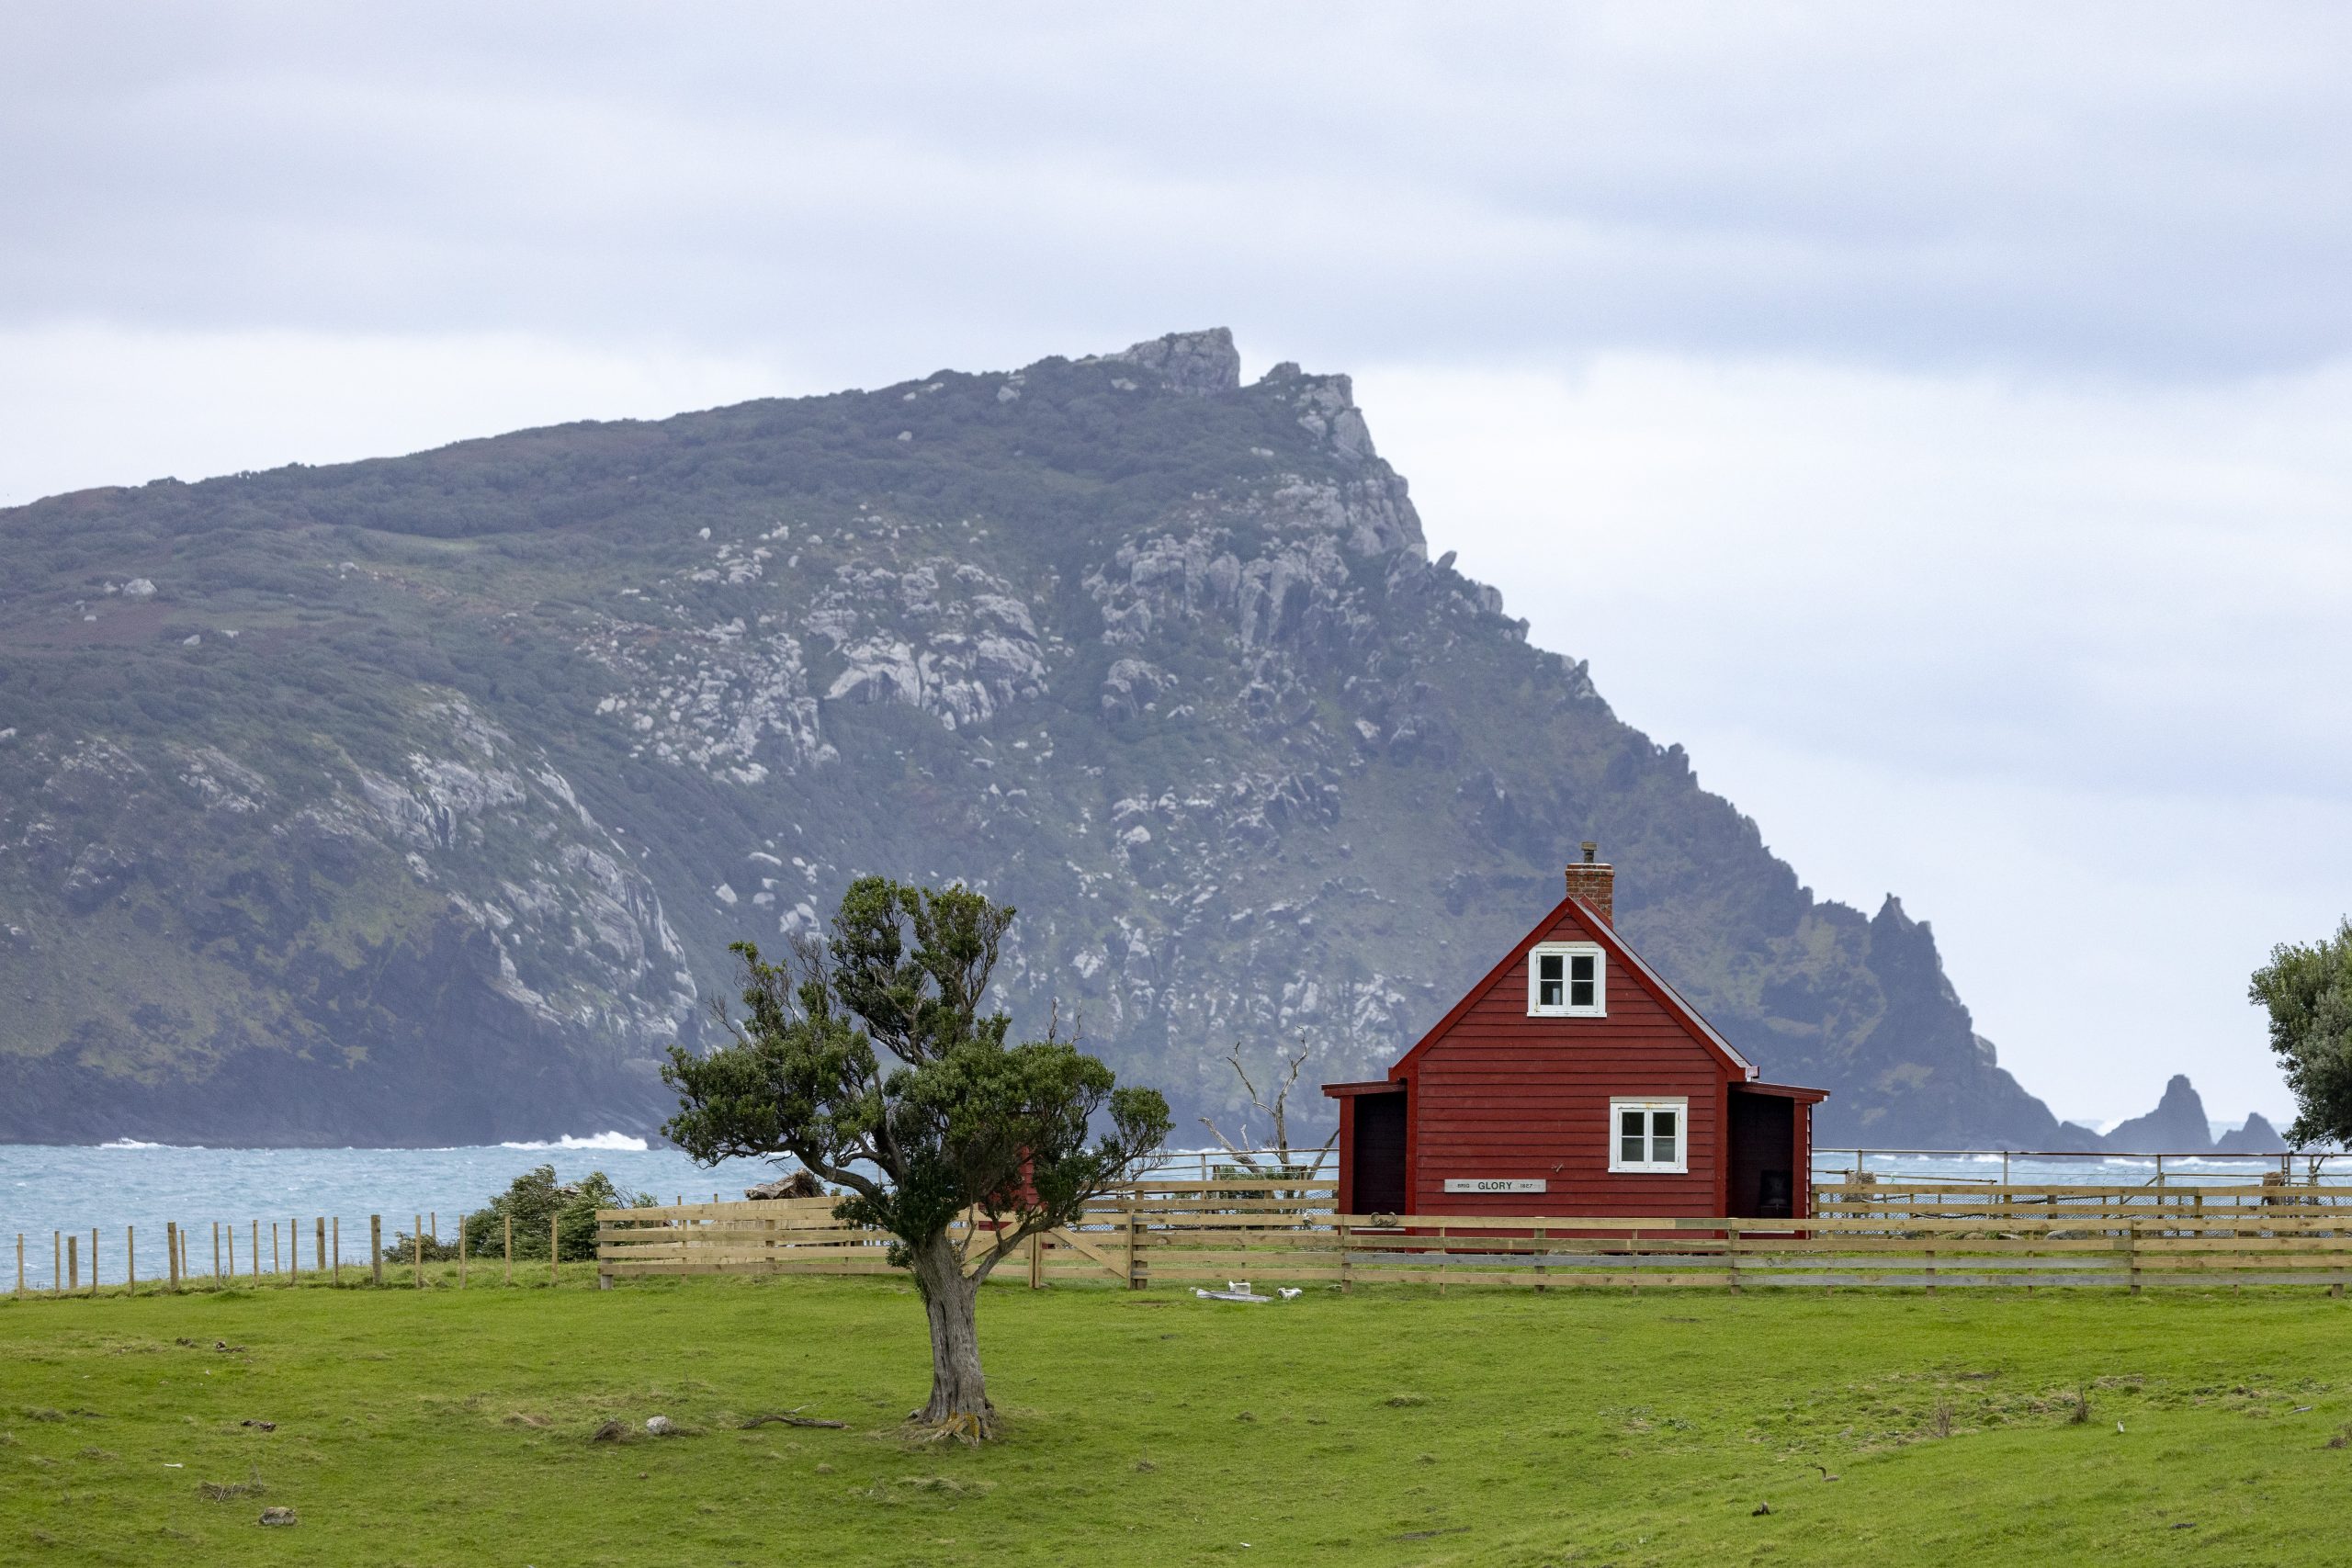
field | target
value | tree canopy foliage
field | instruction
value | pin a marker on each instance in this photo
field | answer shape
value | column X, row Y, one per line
column 2308, row 991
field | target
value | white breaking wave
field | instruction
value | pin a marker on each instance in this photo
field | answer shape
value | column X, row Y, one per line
column 621, row 1140
column 130, row 1143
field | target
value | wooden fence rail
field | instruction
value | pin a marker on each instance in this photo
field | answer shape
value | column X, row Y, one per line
column 1923, row 1236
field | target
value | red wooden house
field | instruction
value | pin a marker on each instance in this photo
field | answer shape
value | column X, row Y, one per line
column 1574, row 1080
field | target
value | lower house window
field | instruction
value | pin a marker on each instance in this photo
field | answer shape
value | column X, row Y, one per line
column 1649, row 1134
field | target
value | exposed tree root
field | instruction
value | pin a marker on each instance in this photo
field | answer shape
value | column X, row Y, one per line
column 962, row 1426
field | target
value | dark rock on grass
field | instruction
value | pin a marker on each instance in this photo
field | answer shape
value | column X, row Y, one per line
column 280, row 1516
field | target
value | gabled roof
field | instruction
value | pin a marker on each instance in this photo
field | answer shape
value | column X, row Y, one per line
column 1649, row 979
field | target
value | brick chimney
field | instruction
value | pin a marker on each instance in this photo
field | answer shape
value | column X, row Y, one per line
column 1596, row 883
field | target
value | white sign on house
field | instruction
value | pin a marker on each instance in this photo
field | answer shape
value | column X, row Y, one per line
column 1493, row 1184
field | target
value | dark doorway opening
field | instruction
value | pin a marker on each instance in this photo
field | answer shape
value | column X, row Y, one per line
column 1379, row 1176
column 1763, row 1155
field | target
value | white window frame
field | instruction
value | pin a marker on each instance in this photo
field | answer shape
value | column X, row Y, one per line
column 1679, row 1165
column 1567, row 952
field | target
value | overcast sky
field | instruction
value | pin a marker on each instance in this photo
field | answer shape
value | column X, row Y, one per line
column 1934, row 417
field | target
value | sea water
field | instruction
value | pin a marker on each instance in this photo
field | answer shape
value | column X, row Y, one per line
column 46, row 1189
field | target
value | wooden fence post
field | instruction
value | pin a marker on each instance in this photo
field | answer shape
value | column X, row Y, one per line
column 462, row 1252
column 1131, row 1242
column 276, row 1267
column 20, row 1263
column 56, row 1264
column 233, row 1252
column 417, row 1250
column 73, row 1262
column 2132, row 1252
column 510, row 1249
column 1539, row 1253
column 338, row 1265
column 375, row 1246
column 1037, row 1260
column 94, row 1260
column 318, row 1247
column 216, row 1254
column 1347, row 1265
column 555, row 1247
column 1444, row 1258
column 256, row 1238
column 1931, row 1271
column 1731, row 1258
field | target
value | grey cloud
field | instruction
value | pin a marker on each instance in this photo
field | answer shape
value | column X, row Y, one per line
column 2114, row 191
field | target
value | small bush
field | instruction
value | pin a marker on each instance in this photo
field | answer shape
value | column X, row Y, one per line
column 536, row 1198
column 404, row 1249
column 531, row 1201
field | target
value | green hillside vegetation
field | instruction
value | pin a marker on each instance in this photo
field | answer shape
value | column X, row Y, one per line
column 1387, row 1426
column 416, row 800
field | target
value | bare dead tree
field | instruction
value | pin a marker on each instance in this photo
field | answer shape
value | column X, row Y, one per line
column 1278, row 1113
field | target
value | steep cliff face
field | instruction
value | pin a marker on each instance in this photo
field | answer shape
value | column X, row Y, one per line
column 426, row 919
column 417, row 799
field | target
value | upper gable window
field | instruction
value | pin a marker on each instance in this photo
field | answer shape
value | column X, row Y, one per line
column 1565, row 979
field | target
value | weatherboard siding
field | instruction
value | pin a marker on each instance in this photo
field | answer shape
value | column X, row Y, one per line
column 1501, row 1095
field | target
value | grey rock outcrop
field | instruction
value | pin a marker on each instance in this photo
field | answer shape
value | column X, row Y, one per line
column 1199, row 365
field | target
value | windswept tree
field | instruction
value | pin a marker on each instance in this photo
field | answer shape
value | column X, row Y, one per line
column 2307, row 990
column 868, row 1058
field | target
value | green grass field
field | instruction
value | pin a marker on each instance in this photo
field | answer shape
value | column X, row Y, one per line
column 1383, row 1427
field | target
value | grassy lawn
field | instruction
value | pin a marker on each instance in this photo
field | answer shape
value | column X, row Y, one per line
column 1390, row 1427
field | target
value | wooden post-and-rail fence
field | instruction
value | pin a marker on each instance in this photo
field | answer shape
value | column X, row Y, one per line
column 178, row 1272
column 1862, row 1234
column 1925, row 1235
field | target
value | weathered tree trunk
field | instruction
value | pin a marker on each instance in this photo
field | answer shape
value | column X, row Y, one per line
column 959, row 1395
